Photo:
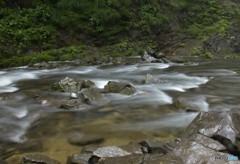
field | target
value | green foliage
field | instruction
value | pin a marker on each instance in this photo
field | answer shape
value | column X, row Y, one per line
column 40, row 29
column 26, row 30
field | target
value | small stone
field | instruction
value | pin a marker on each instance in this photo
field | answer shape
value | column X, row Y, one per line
column 38, row 159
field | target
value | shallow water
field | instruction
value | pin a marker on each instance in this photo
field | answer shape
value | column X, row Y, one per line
column 149, row 113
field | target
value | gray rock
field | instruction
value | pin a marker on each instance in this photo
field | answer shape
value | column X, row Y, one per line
column 160, row 159
column 68, row 85
column 119, row 87
column 207, row 142
column 110, row 151
column 193, row 151
column 92, row 96
column 79, row 159
column 38, row 159
column 226, row 124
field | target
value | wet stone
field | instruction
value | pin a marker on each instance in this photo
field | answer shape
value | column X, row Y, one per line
column 161, row 159
column 91, row 96
column 110, row 151
column 38, row 159
column 226, row 124
column 191, row 151
column 119, row 87
column 79, row 159
column 68, row 85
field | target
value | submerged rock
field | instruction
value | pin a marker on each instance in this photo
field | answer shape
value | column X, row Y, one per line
column 119, row 87
column 38, row 159
column 85, row 140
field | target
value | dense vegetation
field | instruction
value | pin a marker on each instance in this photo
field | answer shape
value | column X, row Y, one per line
column 42, row 30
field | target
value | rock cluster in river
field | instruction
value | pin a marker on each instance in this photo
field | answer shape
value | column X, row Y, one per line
column 85, row 92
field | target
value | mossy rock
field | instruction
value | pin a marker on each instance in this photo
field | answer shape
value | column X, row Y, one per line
column 119, row 87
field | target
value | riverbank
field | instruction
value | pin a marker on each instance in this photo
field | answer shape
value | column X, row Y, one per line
column 34, row 31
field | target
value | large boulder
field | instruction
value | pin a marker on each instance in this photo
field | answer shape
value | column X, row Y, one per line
column 119, row 87
column 226, row 124
column 199, row 149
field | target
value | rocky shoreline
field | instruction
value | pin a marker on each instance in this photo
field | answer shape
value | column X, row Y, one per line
column 212, row 137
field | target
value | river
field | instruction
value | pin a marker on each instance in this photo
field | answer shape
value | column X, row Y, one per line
column 150, row 113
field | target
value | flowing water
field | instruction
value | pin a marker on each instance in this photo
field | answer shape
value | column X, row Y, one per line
column 150, row 113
